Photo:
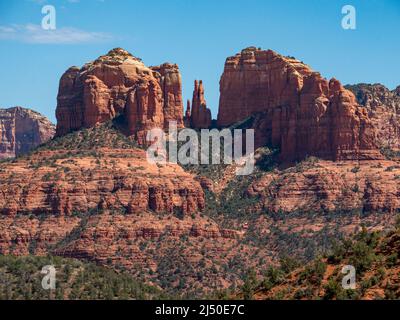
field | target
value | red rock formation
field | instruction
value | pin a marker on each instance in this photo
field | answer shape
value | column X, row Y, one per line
column 187, row 115
column 187, row 112
column 170, row 80
column 119, row 83
column 90, row 182
column 373, row 186
column 294, row 108
column 21, row 130
column 383, row 108
column 200, row 114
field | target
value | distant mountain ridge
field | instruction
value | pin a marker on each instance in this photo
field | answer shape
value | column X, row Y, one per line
column 21, row 130
column 383, row 107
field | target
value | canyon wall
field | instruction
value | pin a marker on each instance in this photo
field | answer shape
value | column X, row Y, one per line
column 21, row 130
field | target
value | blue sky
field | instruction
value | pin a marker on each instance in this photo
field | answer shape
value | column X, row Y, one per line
column 197, row 35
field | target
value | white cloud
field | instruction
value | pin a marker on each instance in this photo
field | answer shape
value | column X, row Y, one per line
column 31, row 33
column 38, row 1
column 41, row 2
column 4, row 29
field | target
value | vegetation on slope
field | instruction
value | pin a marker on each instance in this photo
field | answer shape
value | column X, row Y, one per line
column 375, row 257
column 105, row 135
column 20, row 278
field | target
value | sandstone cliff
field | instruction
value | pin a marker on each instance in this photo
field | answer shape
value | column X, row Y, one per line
column 119, row 84
column 326, row 186
column 21, row 130
column 383, row 108
column 294, row 108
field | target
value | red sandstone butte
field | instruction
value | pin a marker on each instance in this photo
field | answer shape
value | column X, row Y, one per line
column 119, row 84
column 294, row 108
column 21, row 130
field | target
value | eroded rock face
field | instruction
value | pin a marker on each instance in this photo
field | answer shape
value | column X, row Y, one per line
column 294, row 108
column 383, row 108
column 21, row 130
column 342, row 186
column 119, row 84
column 200, row 115
column 108, row 179
column 171, row 83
